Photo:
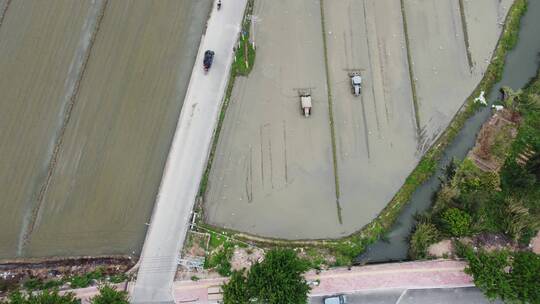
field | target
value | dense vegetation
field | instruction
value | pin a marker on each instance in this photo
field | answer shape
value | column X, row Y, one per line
column 472, row 201
column 107, row 295
column 221, row 259
column 277, row 279
column 510, row 276
column 504, row 203
column 45, row 297
column 74, row 281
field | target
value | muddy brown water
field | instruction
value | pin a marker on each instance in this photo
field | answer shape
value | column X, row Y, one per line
column 521, row 65
column 112, row 148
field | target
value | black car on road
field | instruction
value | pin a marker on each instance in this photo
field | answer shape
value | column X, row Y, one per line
column 208, row 59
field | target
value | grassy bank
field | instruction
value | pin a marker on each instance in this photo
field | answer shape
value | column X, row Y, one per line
column 346, row 249
column 244, row 57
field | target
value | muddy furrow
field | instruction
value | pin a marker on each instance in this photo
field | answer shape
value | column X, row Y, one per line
column 411, row 73
column 76, row 74
column 4, row 11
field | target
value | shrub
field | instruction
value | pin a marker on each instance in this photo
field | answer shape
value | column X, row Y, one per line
column 469, row 178
column 346, row 251
column 221, row 260
column 109, row 295
column 37, row 284
column 456, row 222
column 118, row 278
column 515, row 176
column 518, row 219
column 424, row 235
column 33, row 284
column 525, row 277
column 81, row 281
column 44, row 297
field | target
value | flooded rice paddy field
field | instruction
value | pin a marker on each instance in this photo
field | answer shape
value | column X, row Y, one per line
column 38, row 54
column 442, row 73
column 273, row 170
column 375, row 132
column 273, row 166
column 87, row 115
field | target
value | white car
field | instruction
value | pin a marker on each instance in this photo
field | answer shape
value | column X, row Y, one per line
column 337, row 299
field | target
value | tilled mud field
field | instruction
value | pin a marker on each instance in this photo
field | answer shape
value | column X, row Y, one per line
column 444, row 77
column 376, row 131
column 87, row 115
column 273, row 173
column 273, row 166
column 481, row 17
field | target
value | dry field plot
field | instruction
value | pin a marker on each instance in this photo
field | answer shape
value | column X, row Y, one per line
column 106, row 173
column 273, row 171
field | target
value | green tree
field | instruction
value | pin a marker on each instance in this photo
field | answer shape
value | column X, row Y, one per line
column 513, row 277
column 109, row 295
column 45, row 297
column 525, row 277
column 488, row 272
column 516, row 176
column 277, row 279
column 456, row 222
column 236, row 291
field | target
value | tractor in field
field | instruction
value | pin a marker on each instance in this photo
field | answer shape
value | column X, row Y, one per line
column 356, row 83
column 305, row 104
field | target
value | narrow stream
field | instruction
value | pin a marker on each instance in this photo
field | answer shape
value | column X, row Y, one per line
column 521, row 65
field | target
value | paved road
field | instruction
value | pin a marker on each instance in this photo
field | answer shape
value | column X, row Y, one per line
column 364, row 279
column 187, row 159
column 470, row 295
column 382, row 283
